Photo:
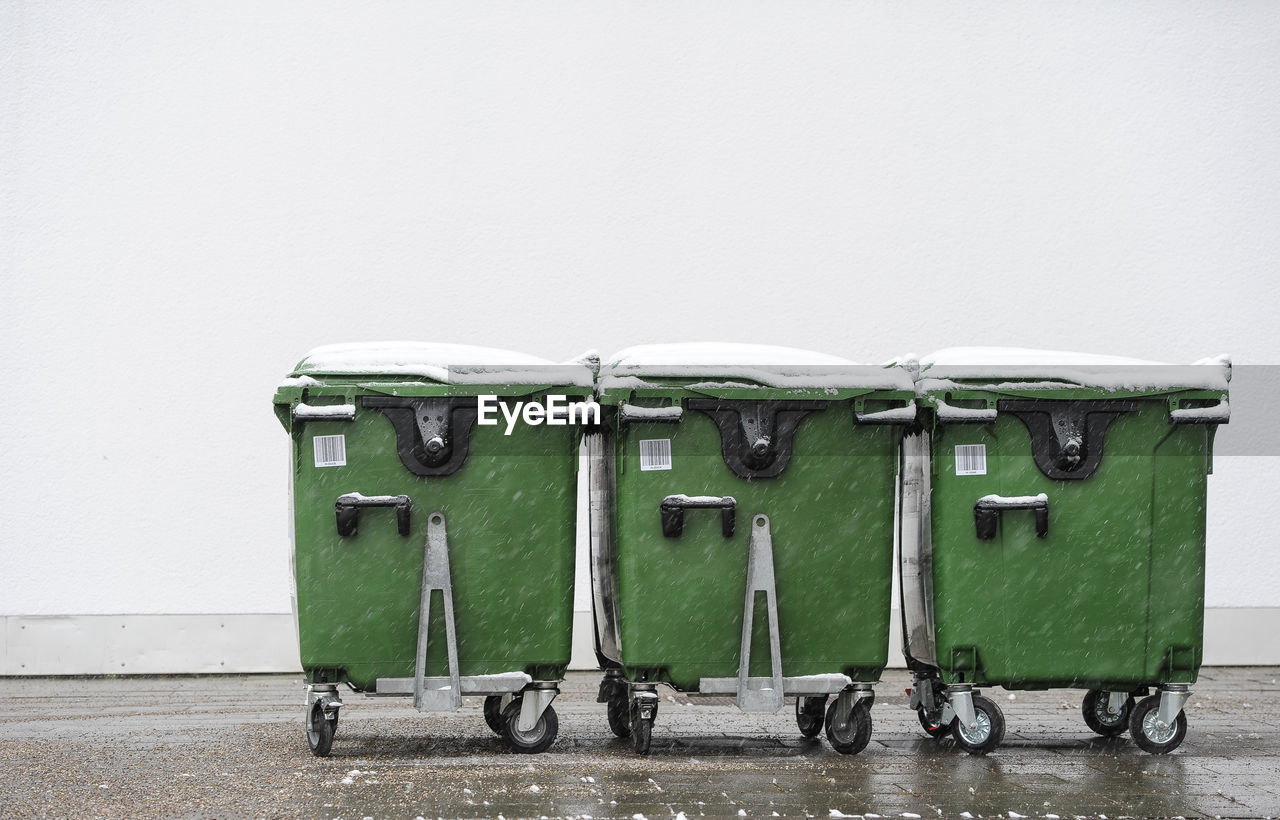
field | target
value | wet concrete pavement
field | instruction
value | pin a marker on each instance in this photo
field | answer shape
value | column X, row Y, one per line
column 234, row 746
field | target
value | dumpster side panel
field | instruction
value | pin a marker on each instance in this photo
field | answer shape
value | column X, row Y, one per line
column 969, row 579
column 681, row 600
column 510, row 526
column 1176, row 635
column 1076, row 601
column 1083, row 591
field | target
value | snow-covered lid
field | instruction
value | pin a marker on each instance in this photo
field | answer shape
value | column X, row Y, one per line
column 722, row 354
column 1027, row 368
column 439, row 362
column 730, row 364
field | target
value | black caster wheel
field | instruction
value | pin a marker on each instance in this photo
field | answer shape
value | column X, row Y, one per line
column 320, row 730
column 619, row 711
column 493, row 713
column 1146, row 730
column 809, row 711
column 642, row 728
column 937, row 731
column 537, row 739
column 854, row 735
column 988, row 732
column 1098, row 717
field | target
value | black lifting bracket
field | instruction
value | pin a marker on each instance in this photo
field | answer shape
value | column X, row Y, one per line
column 432, row 434
column 756, row 436
column 1067, row 436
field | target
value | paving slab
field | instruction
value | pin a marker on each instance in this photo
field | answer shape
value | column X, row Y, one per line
column 233, row 746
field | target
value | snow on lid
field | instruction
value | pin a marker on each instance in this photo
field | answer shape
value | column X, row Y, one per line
column 770, row 365
column 1055, row 367
column 448, row 363
column 300, row 381
column 725, row 354
column 1022, row 357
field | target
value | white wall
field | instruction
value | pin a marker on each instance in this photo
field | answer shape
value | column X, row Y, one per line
column 194, row 194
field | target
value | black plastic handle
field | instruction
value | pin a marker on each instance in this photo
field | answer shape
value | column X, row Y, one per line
column 348, row 508
column 673, row 507
column 986, row 513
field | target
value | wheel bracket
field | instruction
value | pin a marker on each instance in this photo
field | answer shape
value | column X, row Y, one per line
column 534, row 702
column 326, row 694
column 960, row 696
column 1173, row 697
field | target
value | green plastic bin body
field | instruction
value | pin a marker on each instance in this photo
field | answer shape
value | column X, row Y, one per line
column 1111, row 595
column 509, row 510
column 678, row 604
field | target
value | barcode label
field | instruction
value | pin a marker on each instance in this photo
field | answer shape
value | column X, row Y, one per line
column 331, row 451
column 655, row 454
column 971, row 459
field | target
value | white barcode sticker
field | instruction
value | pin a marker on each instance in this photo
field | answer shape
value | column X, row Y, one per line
column 971, row 459
column 655, row 454
column 331, row 451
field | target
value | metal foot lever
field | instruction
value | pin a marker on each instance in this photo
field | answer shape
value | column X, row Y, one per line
column 760, row 694
column 436, row 694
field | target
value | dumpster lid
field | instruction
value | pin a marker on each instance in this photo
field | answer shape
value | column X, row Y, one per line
column 727, row 363
column 1024, row 368
column 439, row 362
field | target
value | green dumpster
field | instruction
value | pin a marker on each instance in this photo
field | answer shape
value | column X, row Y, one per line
column 1053, row 535
column 742, row 531
column 434, row 489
